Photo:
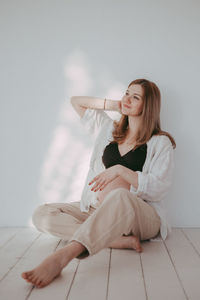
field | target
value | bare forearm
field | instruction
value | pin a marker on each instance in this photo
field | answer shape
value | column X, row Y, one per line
column 128, row 175
column 96, row 103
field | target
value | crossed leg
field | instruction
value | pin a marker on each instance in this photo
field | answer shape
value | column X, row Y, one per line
column 53, row 264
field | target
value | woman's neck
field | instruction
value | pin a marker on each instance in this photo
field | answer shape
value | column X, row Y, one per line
column 133, row 127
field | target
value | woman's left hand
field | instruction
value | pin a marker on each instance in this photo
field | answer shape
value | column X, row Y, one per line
column 104, row 178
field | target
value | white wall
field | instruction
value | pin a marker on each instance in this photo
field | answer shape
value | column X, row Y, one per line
column 51, row 50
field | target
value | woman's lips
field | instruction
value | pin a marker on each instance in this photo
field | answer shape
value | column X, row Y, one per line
column 126, row 106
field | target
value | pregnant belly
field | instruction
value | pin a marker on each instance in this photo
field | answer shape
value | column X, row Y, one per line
column 116, row 183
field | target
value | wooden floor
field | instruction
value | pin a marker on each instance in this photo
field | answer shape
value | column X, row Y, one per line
column 167, row 269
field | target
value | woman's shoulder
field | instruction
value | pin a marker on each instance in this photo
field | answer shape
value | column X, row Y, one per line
column 160, row 141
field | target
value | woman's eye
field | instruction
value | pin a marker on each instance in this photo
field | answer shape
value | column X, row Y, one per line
column 134, row 97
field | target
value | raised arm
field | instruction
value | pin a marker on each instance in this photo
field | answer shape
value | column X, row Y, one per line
column 81, row 103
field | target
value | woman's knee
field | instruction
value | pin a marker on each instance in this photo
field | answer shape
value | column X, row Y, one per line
column 116, row 192
column 43, row 214
column 120, row 194
column 39, row 213
column 35, row 215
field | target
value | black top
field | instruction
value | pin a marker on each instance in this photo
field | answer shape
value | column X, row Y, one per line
column 133, row 160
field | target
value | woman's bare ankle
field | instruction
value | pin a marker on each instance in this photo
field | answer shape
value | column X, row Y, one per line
column 123, row 242
column 127, row 242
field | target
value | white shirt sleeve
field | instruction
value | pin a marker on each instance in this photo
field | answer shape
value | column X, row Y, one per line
column 94, row 119
column 153, row 186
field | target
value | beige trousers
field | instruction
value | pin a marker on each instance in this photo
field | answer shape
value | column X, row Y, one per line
column 121, row 213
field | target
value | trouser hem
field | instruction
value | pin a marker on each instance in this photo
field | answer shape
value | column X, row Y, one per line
column 87, row 252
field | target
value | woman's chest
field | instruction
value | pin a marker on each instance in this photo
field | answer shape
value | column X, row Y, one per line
column 124, row 148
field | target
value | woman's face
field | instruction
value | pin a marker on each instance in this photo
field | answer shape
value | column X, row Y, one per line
column 132, row 101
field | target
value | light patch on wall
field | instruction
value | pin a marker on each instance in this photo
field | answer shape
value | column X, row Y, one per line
column 66, row 163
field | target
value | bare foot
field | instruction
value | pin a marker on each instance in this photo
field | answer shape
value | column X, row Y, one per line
column 48, row 269
column 135, row 243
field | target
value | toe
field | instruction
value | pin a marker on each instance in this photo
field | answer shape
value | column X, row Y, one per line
column 41, row 284
column 30, row 277
column 28, row 280
column 38, row 282
column 34, row 279
column 27, row 275
column 24, row 275
column 139, row 249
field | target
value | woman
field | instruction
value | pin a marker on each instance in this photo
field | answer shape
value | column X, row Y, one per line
column 130, row 172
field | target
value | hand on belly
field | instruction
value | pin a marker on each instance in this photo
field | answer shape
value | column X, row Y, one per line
column 116, row 183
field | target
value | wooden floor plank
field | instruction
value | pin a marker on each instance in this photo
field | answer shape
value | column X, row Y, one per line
column 126, row 278
column 160, row 277
column 15, row 248
column 91, row 278
column 6, row 234
column 20, row 290
column 186, row 262
column 193, row 235
column 167, row 269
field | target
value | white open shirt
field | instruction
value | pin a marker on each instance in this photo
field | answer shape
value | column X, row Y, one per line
column 155, row 178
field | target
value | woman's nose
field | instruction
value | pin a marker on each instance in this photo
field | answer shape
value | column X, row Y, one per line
column 128, row 98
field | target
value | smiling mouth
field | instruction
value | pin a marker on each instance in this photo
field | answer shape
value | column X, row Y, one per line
column 126, row 106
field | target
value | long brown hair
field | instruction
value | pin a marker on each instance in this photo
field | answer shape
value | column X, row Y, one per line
column 150, row 117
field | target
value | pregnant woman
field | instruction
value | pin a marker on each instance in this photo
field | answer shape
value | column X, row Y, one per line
column 130, row 172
